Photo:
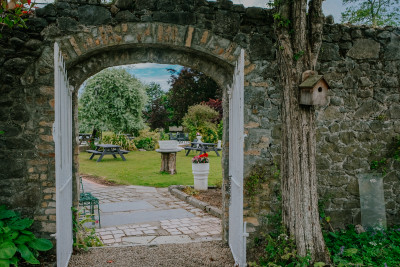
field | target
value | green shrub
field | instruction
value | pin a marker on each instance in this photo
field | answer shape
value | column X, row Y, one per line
column 371, row 248
column 120, row 140
column 200, row 119
column 84, row 237
column 220, row 130
column 15, row 237
column 147, row 139
column 279, row 250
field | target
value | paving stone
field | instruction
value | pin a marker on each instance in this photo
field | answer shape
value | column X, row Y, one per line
column 203, row 233
column 171, row 239
column 138, row 240
column 109, row 241
column 143, row 216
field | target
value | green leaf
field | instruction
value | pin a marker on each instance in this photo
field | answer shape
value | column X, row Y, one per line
column 41, row 244
column 4, row 263
column 319, row 264
column 333, row 234
column 5, row 214
column 27, row 255
column 350, row 251
column 22, row 239
column 12, row 235
column 21, row 224
column 7, row 250
column 28, row 233
column 14, row 260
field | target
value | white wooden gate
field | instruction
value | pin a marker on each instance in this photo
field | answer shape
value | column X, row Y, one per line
column 62, row 134
column 237, row 229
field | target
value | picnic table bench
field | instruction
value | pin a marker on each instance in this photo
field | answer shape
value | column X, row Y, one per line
column 107, row 150
column 202, row 148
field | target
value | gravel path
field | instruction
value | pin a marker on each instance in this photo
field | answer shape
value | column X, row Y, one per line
column 213, row 253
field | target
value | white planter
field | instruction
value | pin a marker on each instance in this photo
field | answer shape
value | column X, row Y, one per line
column 200, row 173
column 198, row 138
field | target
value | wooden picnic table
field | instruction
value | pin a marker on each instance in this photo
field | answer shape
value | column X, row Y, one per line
column 202, row 148
column 107, row 149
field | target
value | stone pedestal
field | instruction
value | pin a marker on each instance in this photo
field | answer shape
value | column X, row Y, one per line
column 168, row 160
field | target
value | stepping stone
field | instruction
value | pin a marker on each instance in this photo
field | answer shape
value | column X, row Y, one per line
column 125, row 206
column 121, row 218
column 138, row 240
column 178, row 239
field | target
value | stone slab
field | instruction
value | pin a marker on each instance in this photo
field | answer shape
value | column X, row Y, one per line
column 146, row 190
column 125, row 206
column 122, row 218
column 138, row 240
column 171, row 240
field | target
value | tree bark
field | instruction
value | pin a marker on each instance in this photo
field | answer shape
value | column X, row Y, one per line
column 168, row 163
column 298, row 47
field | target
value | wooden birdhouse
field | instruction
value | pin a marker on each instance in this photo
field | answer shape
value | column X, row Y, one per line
column 314, row 91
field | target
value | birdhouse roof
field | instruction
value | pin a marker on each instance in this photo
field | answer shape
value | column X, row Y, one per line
column 312, row 81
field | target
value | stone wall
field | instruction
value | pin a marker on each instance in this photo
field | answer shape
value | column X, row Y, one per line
column 362, row 66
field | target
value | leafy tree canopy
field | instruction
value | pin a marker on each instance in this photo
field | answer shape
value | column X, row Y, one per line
column 113, row 100
column 372, row 12
column 190, row 87
column 157, row 112
column 201, row 119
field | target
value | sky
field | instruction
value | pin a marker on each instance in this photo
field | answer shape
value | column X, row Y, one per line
column 151, row 72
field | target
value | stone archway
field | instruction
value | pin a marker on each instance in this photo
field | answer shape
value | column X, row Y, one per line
column 88, row 53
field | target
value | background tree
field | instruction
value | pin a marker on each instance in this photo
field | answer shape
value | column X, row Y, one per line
column 112, row 100
column 216, row 104
column 372, row 12
column 299, row 34
column 189, row 87
column 201, row 119
column 159, row 115
column 157, row 112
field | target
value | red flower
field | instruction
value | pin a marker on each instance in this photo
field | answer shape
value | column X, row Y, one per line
column 29, row 2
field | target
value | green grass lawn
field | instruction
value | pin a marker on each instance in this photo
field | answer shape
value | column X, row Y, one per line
column 143, row 168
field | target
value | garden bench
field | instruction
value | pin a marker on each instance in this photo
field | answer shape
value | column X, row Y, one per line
column 94, row 152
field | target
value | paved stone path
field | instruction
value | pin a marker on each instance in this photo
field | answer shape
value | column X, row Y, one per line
column 139, row 215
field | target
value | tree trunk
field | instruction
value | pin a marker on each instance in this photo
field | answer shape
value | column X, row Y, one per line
column 299, row 45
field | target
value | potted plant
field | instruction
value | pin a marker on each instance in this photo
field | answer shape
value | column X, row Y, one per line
column 200, row 169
